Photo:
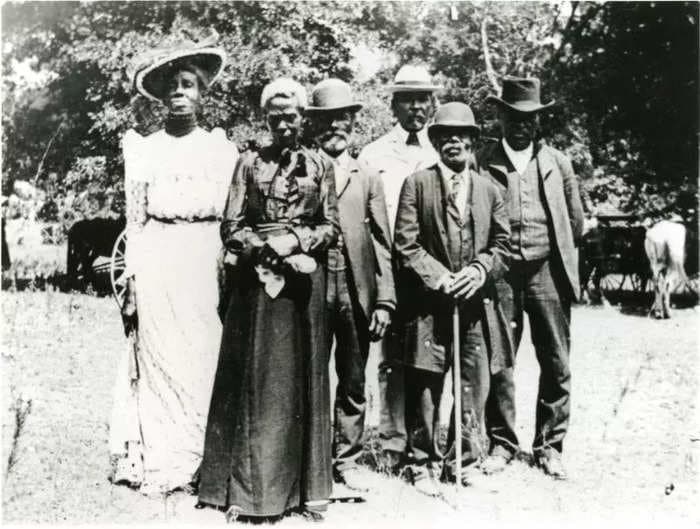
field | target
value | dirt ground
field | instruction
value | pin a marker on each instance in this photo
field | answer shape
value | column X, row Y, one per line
column 632, row 451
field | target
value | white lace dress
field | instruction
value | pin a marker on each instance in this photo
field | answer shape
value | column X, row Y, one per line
column 175, row 193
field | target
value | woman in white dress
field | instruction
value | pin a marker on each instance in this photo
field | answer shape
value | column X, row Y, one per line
column 176, row 182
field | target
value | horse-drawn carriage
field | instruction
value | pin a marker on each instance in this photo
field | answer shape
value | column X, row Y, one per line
column 96, row 255
column 613, row 258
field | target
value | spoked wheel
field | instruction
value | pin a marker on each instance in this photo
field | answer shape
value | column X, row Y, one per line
column 117, row 269
column 640, row 283
column 611, row 282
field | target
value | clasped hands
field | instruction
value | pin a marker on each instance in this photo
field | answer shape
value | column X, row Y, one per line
column 274, row 256
column 463, row 284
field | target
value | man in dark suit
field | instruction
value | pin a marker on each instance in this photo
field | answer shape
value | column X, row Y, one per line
column 361, row 296
column 451, row 243
column 542, row 198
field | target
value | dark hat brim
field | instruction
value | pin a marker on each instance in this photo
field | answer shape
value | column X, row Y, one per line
column 353, row 107
column 435, row 127
column 526, row 107
column 149, row 80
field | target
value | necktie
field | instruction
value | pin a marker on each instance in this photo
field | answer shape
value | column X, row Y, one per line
column 412, row 139
column 456, row 182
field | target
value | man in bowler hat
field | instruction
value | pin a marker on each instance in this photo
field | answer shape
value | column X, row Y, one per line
column 451, row 244
column 360, row 288
column 403, row 150
column 544, row 208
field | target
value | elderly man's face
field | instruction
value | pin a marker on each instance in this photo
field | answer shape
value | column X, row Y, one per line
column 413, row 109
column 454, row 146
column 519, row 128
column 183, row 94
column 332, row 130
column 283, row 120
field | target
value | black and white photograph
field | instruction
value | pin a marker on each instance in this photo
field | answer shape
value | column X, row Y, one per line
column 352, row 263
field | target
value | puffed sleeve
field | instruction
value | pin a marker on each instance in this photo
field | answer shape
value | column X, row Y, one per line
column 135, row 191
column 236, row 231
column 317, row 237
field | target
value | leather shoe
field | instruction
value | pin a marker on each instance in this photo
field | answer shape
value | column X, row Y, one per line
column 312, row 516
column 551, row 464
column 497, row 460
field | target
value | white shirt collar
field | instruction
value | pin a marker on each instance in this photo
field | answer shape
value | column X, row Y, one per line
column 519, row 159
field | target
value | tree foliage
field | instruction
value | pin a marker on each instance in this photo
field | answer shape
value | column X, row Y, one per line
column 624, row 75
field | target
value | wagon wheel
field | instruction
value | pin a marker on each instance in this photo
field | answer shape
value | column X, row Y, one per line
column 117, row 267
column 640, row 283
column 691, row 284
column 611, row 282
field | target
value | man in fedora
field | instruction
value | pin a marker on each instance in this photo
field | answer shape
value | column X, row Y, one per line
column 451, row 244
column 405, row 149
column 542, row 198
column 360, row 295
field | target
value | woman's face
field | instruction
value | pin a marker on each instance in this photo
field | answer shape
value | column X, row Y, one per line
column 283, row 120
column 182, row 96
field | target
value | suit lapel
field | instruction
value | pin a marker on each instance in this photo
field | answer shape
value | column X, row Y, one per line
column 480, row 214
column 345, row 177
column 436, row 189
column 545, row 163
column 500, row 164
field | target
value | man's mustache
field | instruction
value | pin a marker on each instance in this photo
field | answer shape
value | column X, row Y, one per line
column 334, row 134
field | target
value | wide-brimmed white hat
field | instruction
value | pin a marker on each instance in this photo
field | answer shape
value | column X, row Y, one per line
column 150, row 79
column 412, row 78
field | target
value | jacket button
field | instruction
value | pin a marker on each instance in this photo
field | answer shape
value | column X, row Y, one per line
column 366, row 221
column 427, row 343
column 487, row 301
column 513, row 324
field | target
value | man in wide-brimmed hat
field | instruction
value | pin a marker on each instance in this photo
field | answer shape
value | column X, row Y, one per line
column 451, row 243
column 400, row 152
column 541, row 194
column 360, row 296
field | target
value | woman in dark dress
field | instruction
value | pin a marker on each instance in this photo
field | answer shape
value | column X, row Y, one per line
column 267, row 446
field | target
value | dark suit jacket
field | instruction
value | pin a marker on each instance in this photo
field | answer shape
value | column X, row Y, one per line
column 365, row 229
column 422, row 258
column 562, row 200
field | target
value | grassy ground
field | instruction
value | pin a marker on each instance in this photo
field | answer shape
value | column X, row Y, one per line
column 632, row 451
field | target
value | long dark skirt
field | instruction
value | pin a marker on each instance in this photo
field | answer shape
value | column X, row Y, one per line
column 268, row 441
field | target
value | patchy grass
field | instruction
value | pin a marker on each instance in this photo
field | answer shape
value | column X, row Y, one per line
column 632, row 451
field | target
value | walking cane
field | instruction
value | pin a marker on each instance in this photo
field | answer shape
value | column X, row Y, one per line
column 457, row 390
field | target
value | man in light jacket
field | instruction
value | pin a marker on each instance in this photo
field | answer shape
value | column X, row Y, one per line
column 402, row 151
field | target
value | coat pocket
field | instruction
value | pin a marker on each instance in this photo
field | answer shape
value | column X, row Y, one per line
column 420, row 345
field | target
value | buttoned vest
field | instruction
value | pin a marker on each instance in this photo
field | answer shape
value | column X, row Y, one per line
column 528, row 217
column 459, row 236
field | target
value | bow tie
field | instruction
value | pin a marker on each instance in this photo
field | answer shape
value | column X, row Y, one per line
column 412, row 139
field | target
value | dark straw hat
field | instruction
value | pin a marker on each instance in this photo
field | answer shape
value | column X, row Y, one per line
column 332, row 94
column 454, row 115
column 521, row 94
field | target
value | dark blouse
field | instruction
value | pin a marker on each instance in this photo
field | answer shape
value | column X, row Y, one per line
column 273, row 192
